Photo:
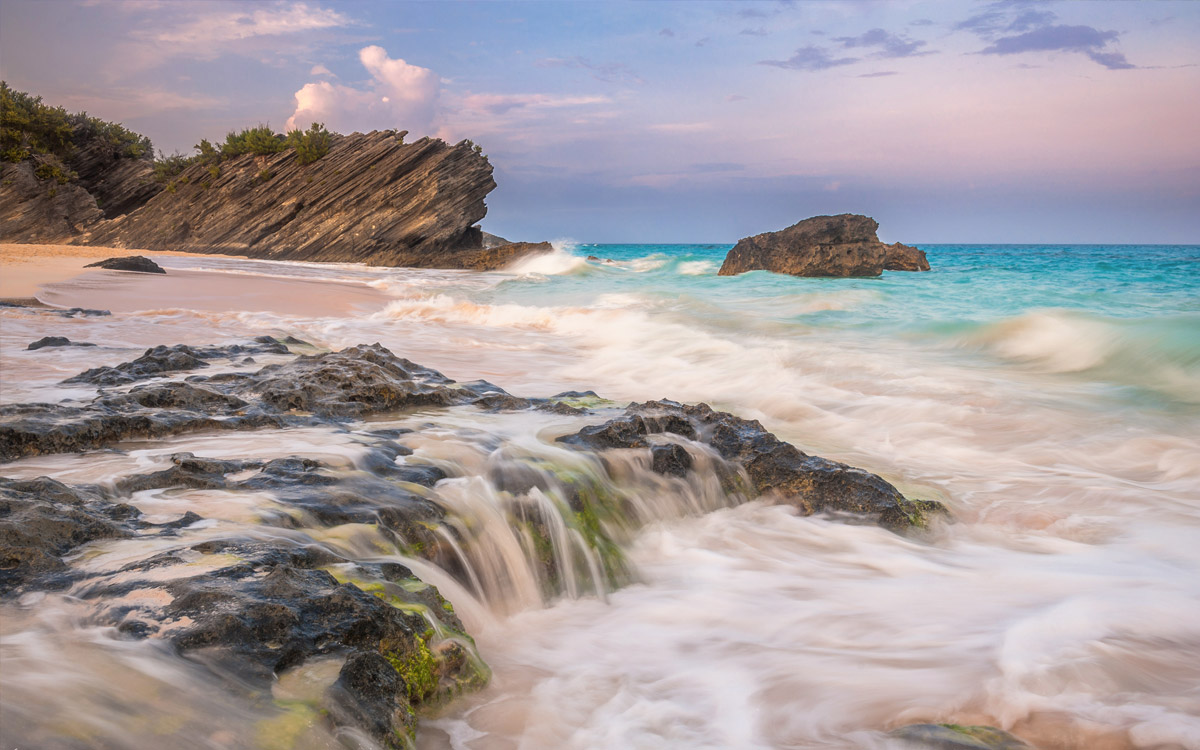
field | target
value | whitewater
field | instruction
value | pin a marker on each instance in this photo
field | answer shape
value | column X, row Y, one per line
column 1048, row 395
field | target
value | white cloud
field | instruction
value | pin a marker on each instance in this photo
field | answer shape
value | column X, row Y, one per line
column 398, row 95
column 236, row 25
column 321, row 70
column 498, row 104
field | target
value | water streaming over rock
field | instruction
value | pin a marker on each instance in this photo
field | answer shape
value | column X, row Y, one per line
column 1047, row 395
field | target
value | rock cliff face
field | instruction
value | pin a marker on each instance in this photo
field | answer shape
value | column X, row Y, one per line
column 41, row 210
column 842, row 245
column 118, row 183
column 372, row 199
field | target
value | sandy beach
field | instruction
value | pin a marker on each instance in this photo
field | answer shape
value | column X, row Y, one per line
column 57, row 275
column 24, row 269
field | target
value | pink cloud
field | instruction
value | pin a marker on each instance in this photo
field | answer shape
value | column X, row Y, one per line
column 399, row 95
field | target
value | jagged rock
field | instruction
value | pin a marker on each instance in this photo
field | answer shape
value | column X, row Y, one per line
column 136, row 263
column 956, row 737
column 372, row 199
column 495, row 258
column 118, row 183
column 492, row 240
column 162, row 360
column 905, row 258
column 370, row 694
column 671, row 460
column 41, row 520
column 148, row 411
column 186, row 471
column 273, row 607
column 33, row 305
column 42, row 210
column 842, row 245
column 46, row 341
column 352, row 383
column 355, row 382
column 809, row 483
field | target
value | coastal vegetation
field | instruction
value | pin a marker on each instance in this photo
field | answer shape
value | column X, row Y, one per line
column 260, row 140
column 28, row 126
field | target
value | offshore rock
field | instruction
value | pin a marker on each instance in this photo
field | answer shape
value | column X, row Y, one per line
column 136, row 263
column 842, row 245
column 956, row 737
column 372, row 199
column 905, row 258
column 809, row 483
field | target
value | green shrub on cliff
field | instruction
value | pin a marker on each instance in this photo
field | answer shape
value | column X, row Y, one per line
column 28, row 127
column 52, row 171
column 260, row 141
column 310, row 144
column 168, row 167
column 122, row 140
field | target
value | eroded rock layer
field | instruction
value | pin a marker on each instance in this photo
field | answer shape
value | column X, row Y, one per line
column 372, row 199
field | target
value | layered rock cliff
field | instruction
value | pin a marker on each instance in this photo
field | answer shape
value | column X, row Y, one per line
column 372, row 199
column 41, row 209
column 842, row 245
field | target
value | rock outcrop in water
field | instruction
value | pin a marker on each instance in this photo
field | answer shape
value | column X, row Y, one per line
column 842, row 245
column 372, row 199
column 809, row 483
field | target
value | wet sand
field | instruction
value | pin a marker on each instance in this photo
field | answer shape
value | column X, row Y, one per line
column 25, row 268
column 55, row 275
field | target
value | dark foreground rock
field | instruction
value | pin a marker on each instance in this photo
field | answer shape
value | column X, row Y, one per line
column 34, row 306
column 135, row 263
column 162, row 360
column 809, row 483
column 956, row 737
column 310, row 390
column 249, row 610
column 52, row 341
column 41, row 520
column 842, row 245
column 253, row 604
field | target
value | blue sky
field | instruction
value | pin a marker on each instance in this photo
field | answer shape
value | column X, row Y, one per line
column 688, row 121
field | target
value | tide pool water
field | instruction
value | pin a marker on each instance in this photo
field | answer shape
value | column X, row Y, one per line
column 1048, row 395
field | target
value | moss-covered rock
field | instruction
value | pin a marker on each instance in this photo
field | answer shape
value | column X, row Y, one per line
column 958, row 737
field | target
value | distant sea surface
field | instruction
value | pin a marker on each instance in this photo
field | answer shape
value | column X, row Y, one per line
column 1048, row 394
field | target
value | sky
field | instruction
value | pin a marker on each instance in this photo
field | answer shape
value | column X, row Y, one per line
column 696, row 121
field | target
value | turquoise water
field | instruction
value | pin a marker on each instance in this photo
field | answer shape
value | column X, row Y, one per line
column 1126, row 315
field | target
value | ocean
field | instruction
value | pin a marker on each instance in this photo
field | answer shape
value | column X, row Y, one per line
column 1049, row 395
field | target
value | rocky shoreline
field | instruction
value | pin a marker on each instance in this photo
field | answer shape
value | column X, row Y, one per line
column 258, row 608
